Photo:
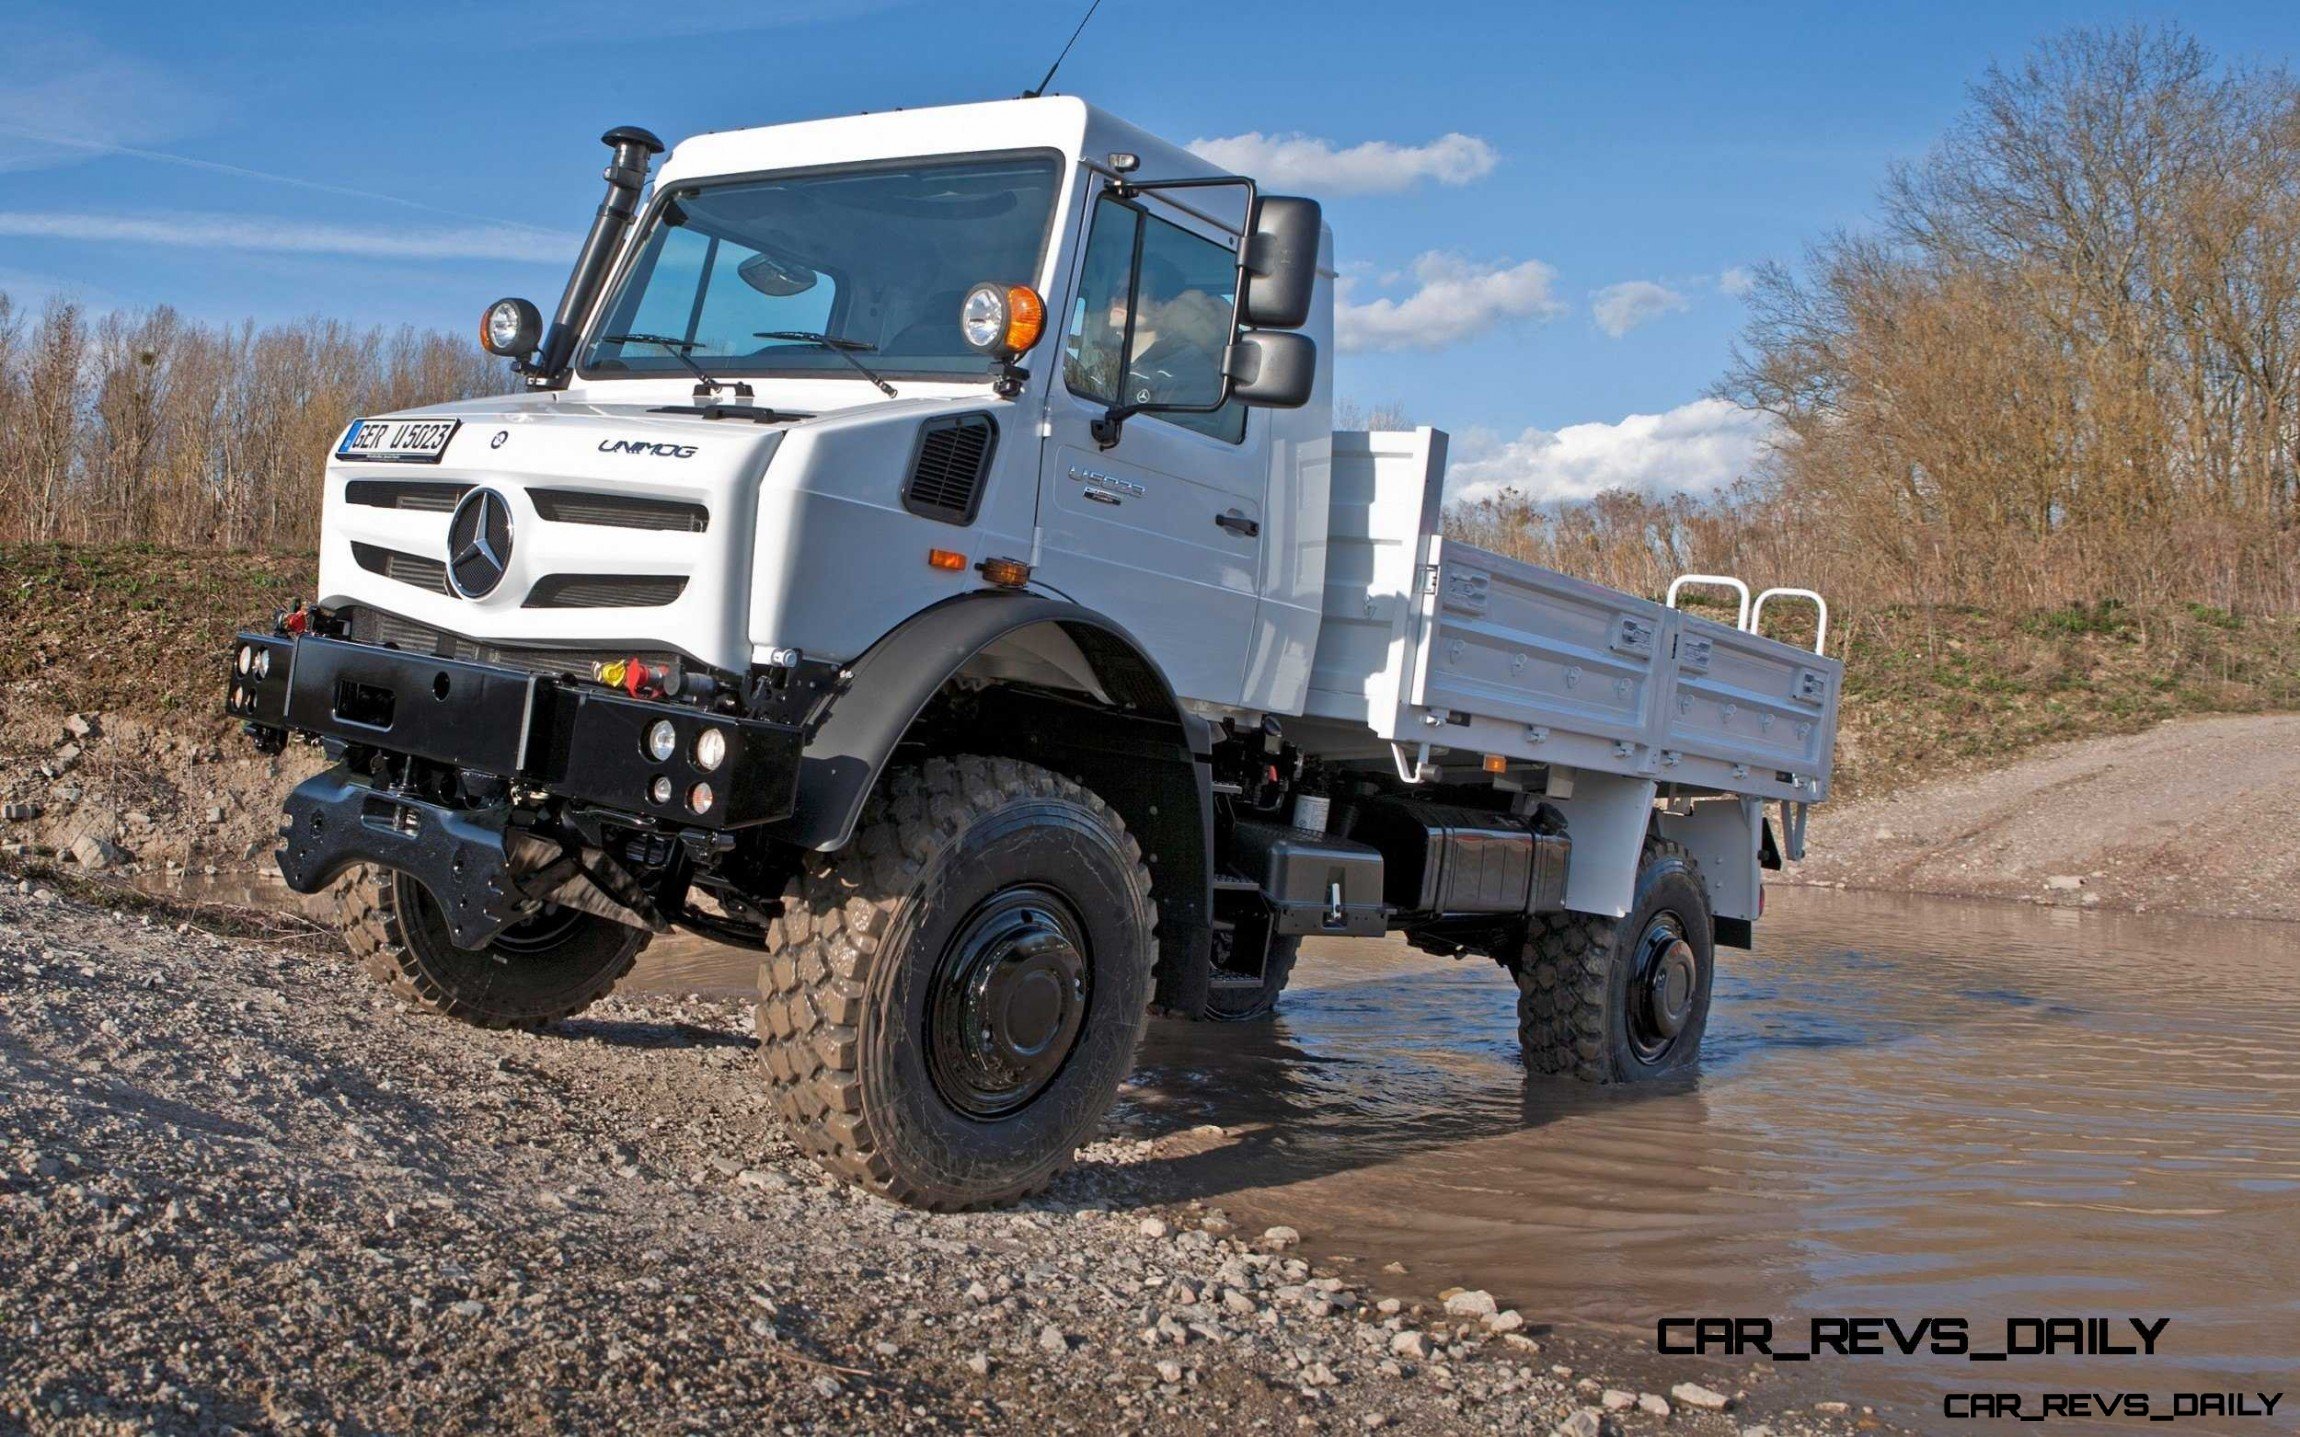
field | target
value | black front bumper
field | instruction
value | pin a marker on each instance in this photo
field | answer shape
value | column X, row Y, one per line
column 570, row 740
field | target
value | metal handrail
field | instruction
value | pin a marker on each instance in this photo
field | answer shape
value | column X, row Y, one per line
column 1820, row 609
column 1722, row 581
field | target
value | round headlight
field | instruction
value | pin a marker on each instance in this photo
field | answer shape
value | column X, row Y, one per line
column 660, row 789
column 662, row 741
column 711, row 749
column 511, row 328
column 263, row 663
column 982, row 317
column 700, row 798
column 246, row 659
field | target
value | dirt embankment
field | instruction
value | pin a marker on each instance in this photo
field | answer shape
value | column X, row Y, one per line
column 2194, row 815
column 114, row 751
column 242, row 1189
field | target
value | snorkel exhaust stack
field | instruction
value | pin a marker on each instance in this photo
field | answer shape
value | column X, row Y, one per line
column 626, row 176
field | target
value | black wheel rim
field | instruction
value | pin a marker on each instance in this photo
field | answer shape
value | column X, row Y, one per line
column 1664, row 989
column 540, row 932
column 1007, row 1002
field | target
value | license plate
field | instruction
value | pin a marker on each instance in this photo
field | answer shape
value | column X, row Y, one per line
column 399, row 441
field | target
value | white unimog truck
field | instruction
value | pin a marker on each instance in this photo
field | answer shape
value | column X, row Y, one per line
column 922, row 554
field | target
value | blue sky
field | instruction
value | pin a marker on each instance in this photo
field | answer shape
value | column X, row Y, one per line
column 1540, row 247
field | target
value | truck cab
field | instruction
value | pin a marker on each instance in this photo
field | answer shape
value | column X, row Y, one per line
column 918, row 550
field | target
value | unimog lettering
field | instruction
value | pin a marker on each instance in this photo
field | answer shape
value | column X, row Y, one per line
column 642, row 446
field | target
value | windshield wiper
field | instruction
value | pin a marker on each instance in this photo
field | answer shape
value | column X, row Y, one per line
column 678, row 349
column 843, row 348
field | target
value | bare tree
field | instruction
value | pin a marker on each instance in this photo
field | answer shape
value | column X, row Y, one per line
column 143, row 426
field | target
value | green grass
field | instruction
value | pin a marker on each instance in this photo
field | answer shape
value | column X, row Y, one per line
column 1950, row 689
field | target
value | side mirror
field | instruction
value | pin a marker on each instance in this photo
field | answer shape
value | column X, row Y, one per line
column 1281, row 262
column 1273, row 369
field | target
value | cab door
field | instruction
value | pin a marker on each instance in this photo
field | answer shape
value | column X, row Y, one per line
column 1161, row 530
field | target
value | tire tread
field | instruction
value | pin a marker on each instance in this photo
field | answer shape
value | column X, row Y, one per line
column 828, row 944
column 1564, row 976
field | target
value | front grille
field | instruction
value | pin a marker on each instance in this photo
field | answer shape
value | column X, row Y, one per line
column 375, row 626
column 405, row 568
column 619, row 511
column 947, row 471
column 605, row 591
column 432, row 497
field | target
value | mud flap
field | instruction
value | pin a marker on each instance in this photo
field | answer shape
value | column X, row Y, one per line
column 335, row 821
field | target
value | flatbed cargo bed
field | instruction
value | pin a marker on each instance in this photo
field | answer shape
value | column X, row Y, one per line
column 1440, row 651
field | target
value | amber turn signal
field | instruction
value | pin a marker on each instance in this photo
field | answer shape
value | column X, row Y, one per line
column 1025, row 318
column 1006, row 573
column 949, row 559
column 1495, row 763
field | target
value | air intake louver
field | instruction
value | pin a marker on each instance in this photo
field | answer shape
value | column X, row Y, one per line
column 605, row 591
column 946, row 472
column 406, row 568
column 435, row 498
column 577, row 506
column 374, row 626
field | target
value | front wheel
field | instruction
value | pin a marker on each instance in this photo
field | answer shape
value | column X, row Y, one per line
column 954, row 998
column 1621, row 1000
column 541, row 969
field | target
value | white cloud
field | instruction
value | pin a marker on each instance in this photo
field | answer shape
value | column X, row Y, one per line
column 1305, row 162
column 1454, row 299
column 240, row 232
column 57, row 86
column 1696, row 448
column 1620, row 308
column 1737, row 281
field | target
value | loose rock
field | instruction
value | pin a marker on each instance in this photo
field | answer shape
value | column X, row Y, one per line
column 1583, row 1423
column 1693, row 1394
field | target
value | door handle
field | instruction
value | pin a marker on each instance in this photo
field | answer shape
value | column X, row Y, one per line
column 1238, row 524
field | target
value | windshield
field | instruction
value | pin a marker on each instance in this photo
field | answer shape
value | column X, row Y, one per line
column 876, row 258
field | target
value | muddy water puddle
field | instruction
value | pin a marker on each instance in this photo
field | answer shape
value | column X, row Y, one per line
column 1909, row 1108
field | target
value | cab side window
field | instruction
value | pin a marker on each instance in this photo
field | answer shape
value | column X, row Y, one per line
column 1181, row 307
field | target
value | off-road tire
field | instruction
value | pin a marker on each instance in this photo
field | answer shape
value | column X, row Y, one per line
column 1226, row 1003
column 1573, row 978
column 858, row 952
column 392, row 926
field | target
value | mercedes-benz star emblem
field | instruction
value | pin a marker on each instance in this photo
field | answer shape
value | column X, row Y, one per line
column 478, row 543
column 497, row 442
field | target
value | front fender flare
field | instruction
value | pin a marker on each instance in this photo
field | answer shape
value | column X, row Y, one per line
column 886, row 689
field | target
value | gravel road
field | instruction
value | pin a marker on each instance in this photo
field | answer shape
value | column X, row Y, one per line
column 242, row 1189
column 2192, row 816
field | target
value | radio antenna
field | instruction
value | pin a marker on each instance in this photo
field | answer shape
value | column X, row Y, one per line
column 1033, row 94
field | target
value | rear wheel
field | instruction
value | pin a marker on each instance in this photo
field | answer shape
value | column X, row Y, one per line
column 1621, row 1000
column 954, row 998
column 537, row 971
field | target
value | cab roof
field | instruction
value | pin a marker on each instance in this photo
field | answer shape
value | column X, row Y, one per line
column 1058, row 122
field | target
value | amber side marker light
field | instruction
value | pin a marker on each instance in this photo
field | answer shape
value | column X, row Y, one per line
column 946, row 559
column 1495, row 763
column 1025, row 318
column 1006, row 573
